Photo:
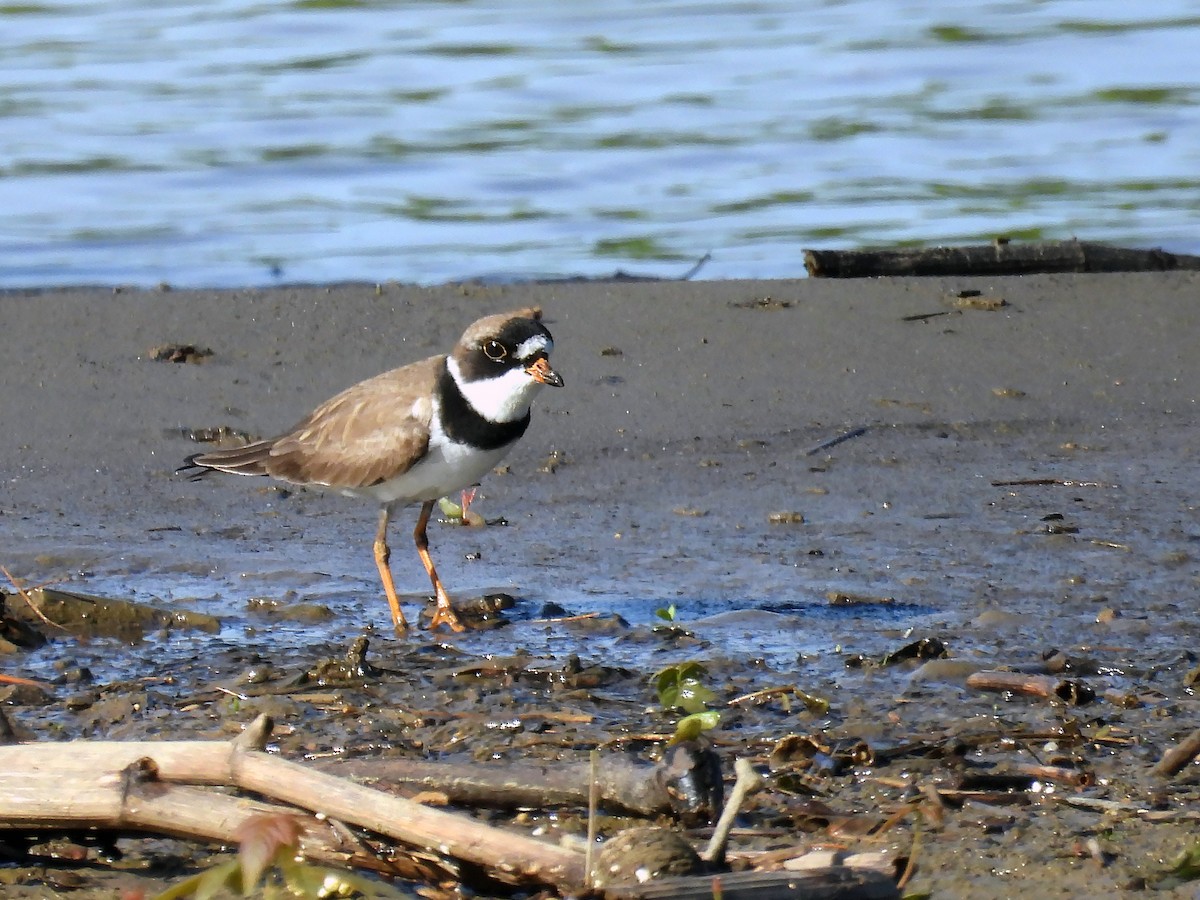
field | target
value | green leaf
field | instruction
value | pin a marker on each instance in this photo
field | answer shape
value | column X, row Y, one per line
column 682, row 687
column 818, row 706
column 226, row 876
column 185, row 888
column 667, row 614
column 691, row 727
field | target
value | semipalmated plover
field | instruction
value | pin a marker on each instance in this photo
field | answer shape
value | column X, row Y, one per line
column 416, row 433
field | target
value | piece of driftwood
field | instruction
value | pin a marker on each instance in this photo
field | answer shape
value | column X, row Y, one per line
column 1179, row 756
column 836, row 883
column 1071, row 691
column 1000, row 258
column 747, row 781
column 622, row 782
column 139, row 803
column 101, row 773
column 155, row 787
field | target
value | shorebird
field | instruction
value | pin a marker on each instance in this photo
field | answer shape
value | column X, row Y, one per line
column 414, row 434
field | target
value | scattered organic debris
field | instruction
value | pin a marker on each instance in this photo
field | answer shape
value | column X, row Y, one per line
column 221, row 435
column 973, row 299
column 872, row 759
column 764, row 303
column 179, row 353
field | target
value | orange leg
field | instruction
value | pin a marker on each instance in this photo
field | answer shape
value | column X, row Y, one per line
column 382, row 555
column 467, row 496
column 444, row 614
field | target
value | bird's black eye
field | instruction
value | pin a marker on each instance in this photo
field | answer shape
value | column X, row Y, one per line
column 494, row 350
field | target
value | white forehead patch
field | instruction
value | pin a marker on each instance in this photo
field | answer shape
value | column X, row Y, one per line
column 532, row 346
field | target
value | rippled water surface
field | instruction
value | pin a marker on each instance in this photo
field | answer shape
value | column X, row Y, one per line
column 240, row 142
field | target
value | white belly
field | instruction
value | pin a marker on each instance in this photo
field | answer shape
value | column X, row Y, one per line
column 446, row 468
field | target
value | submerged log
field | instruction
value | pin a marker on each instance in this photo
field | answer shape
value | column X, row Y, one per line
column 624, row 783
column 999, row 258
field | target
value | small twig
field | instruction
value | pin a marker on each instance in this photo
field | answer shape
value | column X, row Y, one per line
column 746, row 782
column 29, row 600
column 935, row 808
column 593, row 802
column 911, row 865
column 591, row 615
column 28, row 682
column 1060, row 482
column 834, row 441
column 696, row 267
column 1076, row 693
column 893, row 820
column 764, row 694
column 1179, row 756
column 1097, row 804
column 1057, row 774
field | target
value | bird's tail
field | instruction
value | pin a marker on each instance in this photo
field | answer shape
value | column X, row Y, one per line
column 248, row 460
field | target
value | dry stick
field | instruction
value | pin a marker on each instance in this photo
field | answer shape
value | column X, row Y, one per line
column 746, row 782
column 593, row 802
column 621, row 782
column 81, row 800
column 561, row 619
column 28, row 682
column 1179, row 756
column 837, row 439
column 1061, row 482
column 29, row 600
column 1044, row 686
column 911, row 865
column 506, row 855
column 1057, row 774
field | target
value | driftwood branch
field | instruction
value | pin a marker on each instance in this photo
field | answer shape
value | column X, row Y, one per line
column 157, row 787
column 622, row 782
column 112, row 788
column 1000, row 258
column 747, row 781
column 1047, row 687
column 1178, row 757
column 684, row 783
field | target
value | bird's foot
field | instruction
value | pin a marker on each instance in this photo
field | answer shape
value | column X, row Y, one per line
column 444, row 614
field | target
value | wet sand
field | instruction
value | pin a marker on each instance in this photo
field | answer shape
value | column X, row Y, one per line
column 689, row 417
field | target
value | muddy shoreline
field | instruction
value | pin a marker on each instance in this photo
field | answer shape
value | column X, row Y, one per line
column 1022, row 486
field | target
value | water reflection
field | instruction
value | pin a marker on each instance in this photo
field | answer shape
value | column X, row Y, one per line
column 243, row 143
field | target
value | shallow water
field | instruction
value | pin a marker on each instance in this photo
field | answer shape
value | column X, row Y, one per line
column 240, row 142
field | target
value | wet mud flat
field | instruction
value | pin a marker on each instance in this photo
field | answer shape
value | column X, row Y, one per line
column 845, row 600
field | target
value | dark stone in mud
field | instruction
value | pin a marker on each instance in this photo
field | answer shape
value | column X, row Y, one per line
column 690, row 773
column 638, row 855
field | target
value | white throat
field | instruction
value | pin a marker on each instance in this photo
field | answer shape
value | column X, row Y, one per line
column 504, row 398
